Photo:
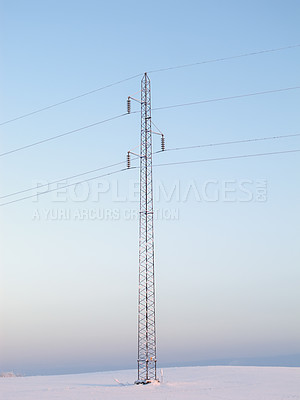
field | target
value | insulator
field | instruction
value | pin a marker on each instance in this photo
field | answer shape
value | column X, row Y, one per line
column 128, row 105
column 163, row 146
column 128, row 160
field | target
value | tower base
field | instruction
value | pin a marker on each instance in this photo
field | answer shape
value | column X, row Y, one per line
column 145, row 382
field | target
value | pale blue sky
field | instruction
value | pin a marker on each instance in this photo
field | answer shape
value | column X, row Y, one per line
column 227, row 272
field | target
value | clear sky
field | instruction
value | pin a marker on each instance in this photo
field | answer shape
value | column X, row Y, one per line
column 226, row 233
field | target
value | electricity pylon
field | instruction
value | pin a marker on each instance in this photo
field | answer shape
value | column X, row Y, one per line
column 146, row 299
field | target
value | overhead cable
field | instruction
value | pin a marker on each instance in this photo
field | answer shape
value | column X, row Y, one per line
column 233, row 142
column 214, row 60
column 227, row 98
column 226, row 158
column 159, row 165
column 61, row 180
column 159, row 151
column 153, row 109
column 63, row 187
column 68, row 100
column 61, row 135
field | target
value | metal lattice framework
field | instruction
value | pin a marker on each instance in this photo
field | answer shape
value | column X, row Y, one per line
column 146, row 307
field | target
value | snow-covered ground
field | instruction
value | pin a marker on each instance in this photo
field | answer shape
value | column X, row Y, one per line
column 207, row 383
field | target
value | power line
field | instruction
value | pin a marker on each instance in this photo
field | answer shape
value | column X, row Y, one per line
column 232, row 142
column 159, row 151
column 160, row 165
column 152, row 71
column 227, row 98
column 63, row 187
column 68, row 100
column 61, row 135
column 226, row 158
column 153, row 109
column 63, row 179
column 225, row 58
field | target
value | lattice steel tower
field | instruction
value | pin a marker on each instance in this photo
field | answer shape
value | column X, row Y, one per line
column 146, row 299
